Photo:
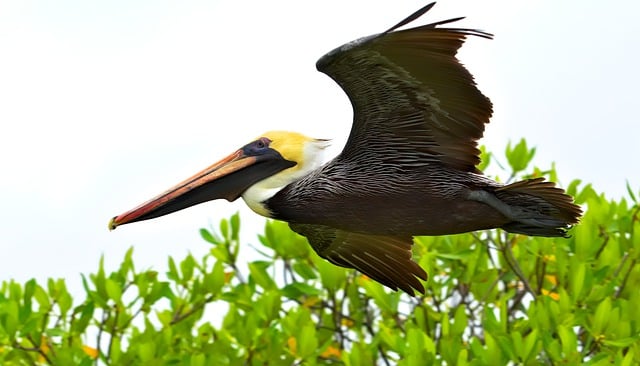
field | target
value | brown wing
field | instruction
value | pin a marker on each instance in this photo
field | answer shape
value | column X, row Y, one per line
column 413, row 102
column 386, row 259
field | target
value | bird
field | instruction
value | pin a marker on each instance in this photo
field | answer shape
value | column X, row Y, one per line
column 408, row 168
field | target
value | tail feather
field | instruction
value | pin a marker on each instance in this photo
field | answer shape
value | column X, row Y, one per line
column 540, row 208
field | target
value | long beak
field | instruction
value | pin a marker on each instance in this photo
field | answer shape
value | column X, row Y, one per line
column 228, row 179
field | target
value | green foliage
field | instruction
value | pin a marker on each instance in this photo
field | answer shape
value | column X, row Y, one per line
column 519, row 156
column 492, row 298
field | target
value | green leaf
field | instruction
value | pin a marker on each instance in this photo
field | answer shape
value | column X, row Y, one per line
column 224, row 229
column 197, row 360
column 286, row 243
column 98, row 279
column 600, row 318
column 578, row 275
column 568, row 339
column 146, row 351
column 64, row 299
column 331, row 276
column 158, row 291
column 518, row 345
column 297, row 290
column 80, row 324
column 258, row 271
column 114, row 291
column 304, row 270
column 221, row 253
column 463, row 356
column 622, row 342
column 494, row 353
column 628, row 358
column 29, row 289
column 461, row 255
column 530, row 342
column 460, row 321
column 269, row 305
column 235, row 226
column 186, row 267
column 127, row 264
column 9, row 319
column 416, row 352
column 631, row 194
column 485, row 158
column 214, row 280
column 519, row 156
column 42, row 298
column 208, row 237
column 382, row 299
column 173, row 273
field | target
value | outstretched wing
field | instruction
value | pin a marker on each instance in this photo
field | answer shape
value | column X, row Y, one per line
column 413, row 102
column 386, row 259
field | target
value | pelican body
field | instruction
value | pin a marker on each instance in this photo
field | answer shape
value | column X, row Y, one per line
column 407, row 169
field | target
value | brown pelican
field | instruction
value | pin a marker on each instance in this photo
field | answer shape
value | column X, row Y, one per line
column 408, row 167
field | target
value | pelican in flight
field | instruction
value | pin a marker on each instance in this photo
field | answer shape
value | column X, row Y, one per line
column 407, row 169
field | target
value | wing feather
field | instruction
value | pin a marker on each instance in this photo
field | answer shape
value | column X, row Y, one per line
column 386, row 259
column 413, row 100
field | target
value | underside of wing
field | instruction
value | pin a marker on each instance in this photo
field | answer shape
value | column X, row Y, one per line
column 386, row 259
column 414, row 103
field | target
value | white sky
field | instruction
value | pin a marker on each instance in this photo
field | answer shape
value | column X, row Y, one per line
column 105, row 104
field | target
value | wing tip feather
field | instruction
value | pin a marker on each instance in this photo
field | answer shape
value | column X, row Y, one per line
column 415, row 15
column 324, row 61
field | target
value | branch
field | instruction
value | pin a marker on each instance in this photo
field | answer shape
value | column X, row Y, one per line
column 180, row 317
column 114, row 325
column 515, row 267
column 626, row 276
column 100, row 330
column 36, row 348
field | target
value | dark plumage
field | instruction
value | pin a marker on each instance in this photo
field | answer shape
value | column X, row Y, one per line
column 408, row 167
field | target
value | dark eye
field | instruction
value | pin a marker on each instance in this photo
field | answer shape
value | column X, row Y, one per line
column 262, row 143
column 257, row 147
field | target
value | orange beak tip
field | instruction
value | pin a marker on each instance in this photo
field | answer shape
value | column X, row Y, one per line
column 112, row 223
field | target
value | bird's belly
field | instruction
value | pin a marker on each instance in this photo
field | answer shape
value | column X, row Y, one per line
column 398, row 215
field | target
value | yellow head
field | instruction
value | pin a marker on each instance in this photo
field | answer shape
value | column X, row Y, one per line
column 306, row 152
